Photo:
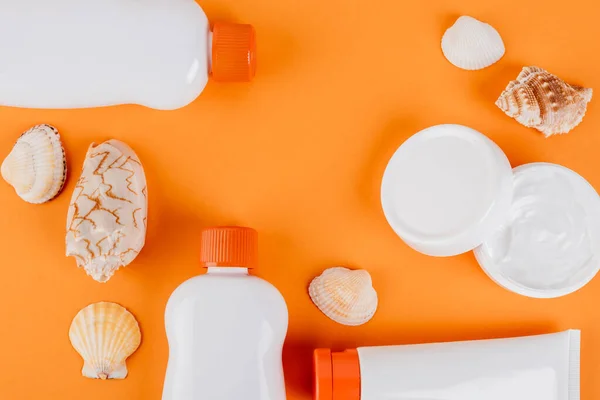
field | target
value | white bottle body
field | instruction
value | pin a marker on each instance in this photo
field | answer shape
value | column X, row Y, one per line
column 542, row 367
column 88, row 53
column 226, row 331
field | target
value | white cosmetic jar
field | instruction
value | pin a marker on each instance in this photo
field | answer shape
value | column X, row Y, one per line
column 536, row 231
column 549, row 246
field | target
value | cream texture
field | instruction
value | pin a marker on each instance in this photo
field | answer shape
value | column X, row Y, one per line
column 548, row 245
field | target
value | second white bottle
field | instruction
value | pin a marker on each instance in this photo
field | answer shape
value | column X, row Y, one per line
column 226, row 328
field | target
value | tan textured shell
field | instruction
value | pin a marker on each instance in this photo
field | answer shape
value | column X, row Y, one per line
column 538, row 99
column 36, row 167
column 346, row 296
column 106, row 223
column 105, row 334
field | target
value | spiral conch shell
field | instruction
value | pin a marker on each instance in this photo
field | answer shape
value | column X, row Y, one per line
column 36, row 167
column 104, row 335
column 540, row 100
column 471, row 44
column 346, row 296
column 106, row 223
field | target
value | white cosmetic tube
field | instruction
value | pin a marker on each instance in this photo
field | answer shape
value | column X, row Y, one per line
column 544, row 367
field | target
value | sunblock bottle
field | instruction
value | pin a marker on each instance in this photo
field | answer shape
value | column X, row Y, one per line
column 88, row 53
column 544, row 367
column 226, row 328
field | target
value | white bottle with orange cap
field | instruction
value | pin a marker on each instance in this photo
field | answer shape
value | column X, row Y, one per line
column 542, row 367
column 89, row 53
column 226, row 328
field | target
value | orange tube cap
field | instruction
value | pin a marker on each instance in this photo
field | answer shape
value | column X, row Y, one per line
column 233, row 52
column 229, row 246
column 336, row 375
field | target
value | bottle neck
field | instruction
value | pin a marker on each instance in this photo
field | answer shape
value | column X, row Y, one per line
column 209, row 48
column 227, row 271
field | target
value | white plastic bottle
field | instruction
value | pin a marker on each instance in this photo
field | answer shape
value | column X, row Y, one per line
column 544, row 367
column 89, row 53
column 226, row 328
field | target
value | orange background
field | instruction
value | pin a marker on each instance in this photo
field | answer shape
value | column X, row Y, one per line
column 298, row 155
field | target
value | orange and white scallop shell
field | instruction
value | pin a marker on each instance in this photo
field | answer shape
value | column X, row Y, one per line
column 105, row 334
column 345, row 296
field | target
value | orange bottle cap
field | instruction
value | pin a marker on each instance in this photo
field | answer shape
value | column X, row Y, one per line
column 336, row 375
column 229, row 246
column 233, row 52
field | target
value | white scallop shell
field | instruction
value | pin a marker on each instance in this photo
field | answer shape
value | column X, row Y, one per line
column 104, row 335
column 471, row 44
column 36, row 167
column 346, row 296
column 106, row 223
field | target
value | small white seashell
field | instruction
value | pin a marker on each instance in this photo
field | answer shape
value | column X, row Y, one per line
column 105, row 334
column 36, row 167
column 346, row 296
column 106, row 223
column 471, row 44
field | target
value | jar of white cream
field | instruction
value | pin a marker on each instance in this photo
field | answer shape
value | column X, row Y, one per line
column 535, row 230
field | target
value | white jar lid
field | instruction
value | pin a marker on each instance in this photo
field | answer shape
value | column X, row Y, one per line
column 447, row 189
column 549, row 245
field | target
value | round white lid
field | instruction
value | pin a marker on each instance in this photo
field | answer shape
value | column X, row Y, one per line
column 549, row 245
column 446, row 189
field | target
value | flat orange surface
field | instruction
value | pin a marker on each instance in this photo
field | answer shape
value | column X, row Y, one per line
column 298, row 155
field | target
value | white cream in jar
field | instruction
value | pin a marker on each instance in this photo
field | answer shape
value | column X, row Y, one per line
column 535, row 230
column 549, row 245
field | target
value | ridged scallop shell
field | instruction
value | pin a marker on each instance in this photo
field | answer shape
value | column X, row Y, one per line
column 540, row 100
column 104, row 335
column 106, row 223
column 36, row 167
column 346, row 296
column 471, row 44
